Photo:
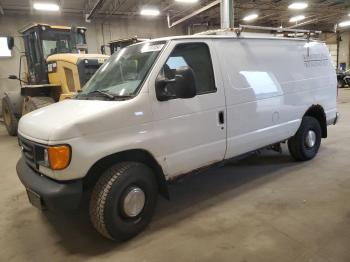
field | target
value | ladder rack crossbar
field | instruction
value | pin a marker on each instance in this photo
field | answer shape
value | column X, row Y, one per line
column 278, row 29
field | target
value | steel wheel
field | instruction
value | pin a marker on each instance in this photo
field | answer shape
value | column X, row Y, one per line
column 134, row 202
column 310, row 139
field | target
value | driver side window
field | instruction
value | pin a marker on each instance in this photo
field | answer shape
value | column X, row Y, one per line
column 197, row 57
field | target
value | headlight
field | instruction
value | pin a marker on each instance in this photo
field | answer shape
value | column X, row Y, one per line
column 55, row 157
column 46, row 158
column 58, row 156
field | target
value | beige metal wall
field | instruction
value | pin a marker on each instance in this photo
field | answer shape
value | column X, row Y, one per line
column 344, row 49
column 333, row 51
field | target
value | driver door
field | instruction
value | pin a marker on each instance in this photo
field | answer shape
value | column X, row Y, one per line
column 192, row 132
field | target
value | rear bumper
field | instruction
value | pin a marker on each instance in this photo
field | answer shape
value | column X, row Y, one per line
column 49, row 194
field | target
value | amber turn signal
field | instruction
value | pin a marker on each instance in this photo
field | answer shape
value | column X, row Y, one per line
column 59, row 156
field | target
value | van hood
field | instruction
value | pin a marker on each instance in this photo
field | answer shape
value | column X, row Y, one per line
column 76, row 118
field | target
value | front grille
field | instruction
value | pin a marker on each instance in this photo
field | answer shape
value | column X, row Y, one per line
column 28, row 151
column 32, row 152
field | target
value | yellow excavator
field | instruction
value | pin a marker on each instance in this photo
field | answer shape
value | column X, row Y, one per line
column 58, row 65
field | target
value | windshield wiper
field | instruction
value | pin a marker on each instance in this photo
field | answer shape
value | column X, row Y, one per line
column 127, row 96
column 105, row 93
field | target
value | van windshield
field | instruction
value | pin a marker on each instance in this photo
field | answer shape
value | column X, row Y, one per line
column 123, row 73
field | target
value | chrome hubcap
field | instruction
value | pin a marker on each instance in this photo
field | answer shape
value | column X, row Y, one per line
column 310, row 139
column 134, row 202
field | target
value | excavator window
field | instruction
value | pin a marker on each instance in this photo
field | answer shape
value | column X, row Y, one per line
column 34, row 48
column 81, row 40
column 51, row 47
column 55, row 42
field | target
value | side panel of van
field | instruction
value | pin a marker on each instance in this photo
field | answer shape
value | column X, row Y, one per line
column 269, row 85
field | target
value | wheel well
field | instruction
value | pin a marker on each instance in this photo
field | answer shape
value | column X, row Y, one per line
column 316, row 111
column 135, row 155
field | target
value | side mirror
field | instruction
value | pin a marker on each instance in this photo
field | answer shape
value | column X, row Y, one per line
column 182, row 86
column 13, row 77
column 10, row 42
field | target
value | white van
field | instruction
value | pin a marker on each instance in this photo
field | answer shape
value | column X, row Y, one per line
column 162, row 108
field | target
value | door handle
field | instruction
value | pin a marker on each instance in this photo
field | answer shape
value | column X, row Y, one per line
column 221, row 117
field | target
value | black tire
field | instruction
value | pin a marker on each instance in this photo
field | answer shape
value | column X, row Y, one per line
column 346, row 82
column 297, row 144
column 10, row 120
column 106, row 211
column 33, row 103
column 341, row 83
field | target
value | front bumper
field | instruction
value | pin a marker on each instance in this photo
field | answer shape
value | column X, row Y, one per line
column 46, row 193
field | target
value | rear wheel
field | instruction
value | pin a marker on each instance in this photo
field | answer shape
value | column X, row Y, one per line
column 123, row 200
column 347, row 81
column 305, row 144
column 32, row 103
column 10, row 120
column 341, row 83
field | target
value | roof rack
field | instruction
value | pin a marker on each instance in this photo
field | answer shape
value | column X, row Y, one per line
column 241, row 28
column 278, row 29
column 135, row 38
column 216, row 31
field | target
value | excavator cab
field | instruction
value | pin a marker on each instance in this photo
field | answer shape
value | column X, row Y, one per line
column 42, row 41
column 58, row 65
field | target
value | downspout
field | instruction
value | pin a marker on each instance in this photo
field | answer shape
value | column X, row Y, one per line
column 338, row 46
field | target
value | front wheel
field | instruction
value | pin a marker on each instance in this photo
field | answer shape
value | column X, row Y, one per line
column 123, row 200
column 10, row 120
column 305, row 144
column 347, row 81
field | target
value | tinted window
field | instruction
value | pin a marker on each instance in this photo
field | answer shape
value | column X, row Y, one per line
column 197, row 57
